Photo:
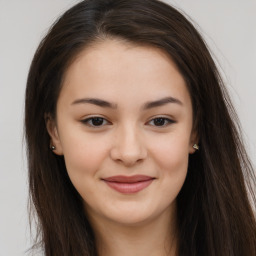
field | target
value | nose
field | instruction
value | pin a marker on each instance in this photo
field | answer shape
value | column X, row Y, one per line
column 128, row 147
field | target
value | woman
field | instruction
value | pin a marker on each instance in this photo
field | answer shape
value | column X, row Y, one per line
column 145, row 156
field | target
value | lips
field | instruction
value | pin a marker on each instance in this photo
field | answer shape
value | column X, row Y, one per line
column 128, row 184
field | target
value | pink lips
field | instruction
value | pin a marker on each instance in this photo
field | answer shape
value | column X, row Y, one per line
column 128, row 184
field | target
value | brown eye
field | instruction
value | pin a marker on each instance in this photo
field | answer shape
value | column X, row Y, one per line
column 95, row 121
column 161, row 121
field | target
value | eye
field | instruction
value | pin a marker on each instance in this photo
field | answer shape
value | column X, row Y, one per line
column 95, row 121
column 161, row 121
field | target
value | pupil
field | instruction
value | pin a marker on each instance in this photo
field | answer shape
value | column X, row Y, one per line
column 97, row 121
column 159, row 121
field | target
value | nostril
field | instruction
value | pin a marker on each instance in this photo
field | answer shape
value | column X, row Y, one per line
column 128, row 146
column 128, row 158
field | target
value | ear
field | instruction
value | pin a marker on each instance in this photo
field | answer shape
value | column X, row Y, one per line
column 51, row 127
column 193, row 140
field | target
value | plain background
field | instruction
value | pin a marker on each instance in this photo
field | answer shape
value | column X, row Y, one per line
column 227, row 25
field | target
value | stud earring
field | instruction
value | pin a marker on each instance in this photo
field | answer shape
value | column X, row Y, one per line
column 196, row 147
column 52, row 148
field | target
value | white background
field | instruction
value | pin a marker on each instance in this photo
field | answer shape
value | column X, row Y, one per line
column 229, row 26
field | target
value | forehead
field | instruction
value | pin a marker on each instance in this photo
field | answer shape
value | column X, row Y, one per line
column 118, row 68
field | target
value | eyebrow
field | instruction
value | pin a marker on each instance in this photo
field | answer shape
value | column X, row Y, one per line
column 147, row 105
column 161, row 102
column 97, row 102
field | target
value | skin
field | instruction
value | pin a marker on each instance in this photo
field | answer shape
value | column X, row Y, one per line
column 129, row 140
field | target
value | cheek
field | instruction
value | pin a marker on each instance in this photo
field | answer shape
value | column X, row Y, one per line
column 83, row 155
column 171, row 157
column 171, row 151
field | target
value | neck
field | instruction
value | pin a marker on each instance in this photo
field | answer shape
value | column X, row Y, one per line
column 156, row 237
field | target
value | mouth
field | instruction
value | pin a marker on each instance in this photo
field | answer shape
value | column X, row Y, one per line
column 128, row 184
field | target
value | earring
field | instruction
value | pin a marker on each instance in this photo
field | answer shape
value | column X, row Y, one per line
column 196, row 147
column 52, row 148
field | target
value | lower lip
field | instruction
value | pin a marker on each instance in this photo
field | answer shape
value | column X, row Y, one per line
column 129, row 188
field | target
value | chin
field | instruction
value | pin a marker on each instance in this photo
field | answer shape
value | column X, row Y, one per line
column 135, row 215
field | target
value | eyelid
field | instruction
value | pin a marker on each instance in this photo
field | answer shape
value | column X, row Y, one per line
column 86, row 120
column 168, row 119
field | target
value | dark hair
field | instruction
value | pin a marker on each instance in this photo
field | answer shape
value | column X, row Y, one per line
column 215, row 215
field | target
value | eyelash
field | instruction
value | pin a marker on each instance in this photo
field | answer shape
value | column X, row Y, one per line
column 167, row 121
column 88, row 121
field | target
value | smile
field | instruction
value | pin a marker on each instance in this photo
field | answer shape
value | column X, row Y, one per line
column 128, row 184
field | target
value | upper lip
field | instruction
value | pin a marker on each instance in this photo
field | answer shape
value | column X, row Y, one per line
column 128, row 179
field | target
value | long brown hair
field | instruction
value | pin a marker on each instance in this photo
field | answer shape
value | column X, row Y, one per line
column 215, row 215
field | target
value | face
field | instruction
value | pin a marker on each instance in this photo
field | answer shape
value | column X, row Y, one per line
column 124, row 126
